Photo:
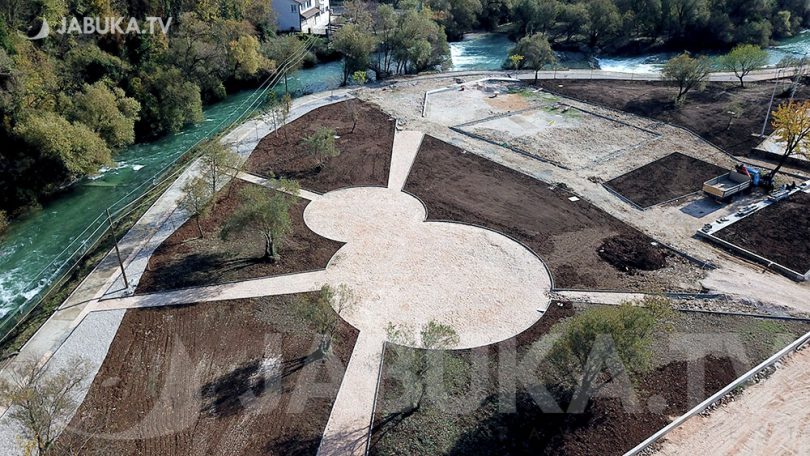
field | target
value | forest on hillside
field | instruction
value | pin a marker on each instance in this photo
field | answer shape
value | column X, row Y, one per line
column 69, row 102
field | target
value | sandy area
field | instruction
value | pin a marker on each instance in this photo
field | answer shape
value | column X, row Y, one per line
column 770, row 417
column 567, row 136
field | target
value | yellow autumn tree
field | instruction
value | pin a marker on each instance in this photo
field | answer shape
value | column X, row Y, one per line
column 791, row 125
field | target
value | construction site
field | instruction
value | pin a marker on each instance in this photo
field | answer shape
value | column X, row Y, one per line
column 498, row 208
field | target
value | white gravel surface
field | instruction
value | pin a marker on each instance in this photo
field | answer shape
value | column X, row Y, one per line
column 405, row 271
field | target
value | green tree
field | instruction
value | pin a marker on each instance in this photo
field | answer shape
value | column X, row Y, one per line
column 285, row 50
column 217, row 160
column 196, row 195
column 41, row 399
column 604, row 21
column 322, row 144
column 247, row 59
column 687, row 73
column 168, row 101
column 607, row 340
column 356, row 44
column 791, row 125
column 572, row 20
column 266, row 213
column 324, row 311
column 419, row 369
column 107, row 111
column 535, row 16
column 536, row 52
column 80, row 150
column 743, row 59
column 457, row 16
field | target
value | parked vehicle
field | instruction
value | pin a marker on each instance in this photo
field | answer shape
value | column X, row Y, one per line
column 724, row 187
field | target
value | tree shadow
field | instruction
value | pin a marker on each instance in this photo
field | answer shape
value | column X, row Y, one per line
column 232, row 392
column 193, row 270
column 226, row 396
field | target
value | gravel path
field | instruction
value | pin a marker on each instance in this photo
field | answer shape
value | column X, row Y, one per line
column 346, row 431
column 278, row 285
column 770, row 417
column 406, row 145
column 252, row 178
column 89, row 341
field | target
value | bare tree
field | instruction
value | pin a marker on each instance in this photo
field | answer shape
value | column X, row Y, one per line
column 196, row 195
column 41, row 401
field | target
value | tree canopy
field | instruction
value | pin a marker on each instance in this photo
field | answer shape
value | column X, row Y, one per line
column 535, row 51
column 743, row 59
column 266, row 213
column 791, row 125
column 687, row 73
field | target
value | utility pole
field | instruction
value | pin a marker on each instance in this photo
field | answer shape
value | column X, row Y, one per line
column 770, row 104
column 117, row 252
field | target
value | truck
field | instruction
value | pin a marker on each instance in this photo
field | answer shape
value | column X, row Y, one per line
column 724, row 187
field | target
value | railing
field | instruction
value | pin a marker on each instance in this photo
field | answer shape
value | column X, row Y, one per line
column 57, row 272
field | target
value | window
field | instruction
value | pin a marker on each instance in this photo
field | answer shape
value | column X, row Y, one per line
column 293, row 8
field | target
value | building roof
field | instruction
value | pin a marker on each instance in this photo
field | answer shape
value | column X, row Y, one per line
column 310, row 12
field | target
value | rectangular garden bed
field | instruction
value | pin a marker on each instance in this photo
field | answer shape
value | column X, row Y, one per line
column 776, row 233
column 365, row 148
column 212, row 378
column 492, row 402
column 583, row 246
column 184, row 259
column 665, row 179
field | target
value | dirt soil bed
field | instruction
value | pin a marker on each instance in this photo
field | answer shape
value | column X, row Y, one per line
column 705, row 112
column 475, row 415
column 665, row 179
column 227, row 378
column 365, row 157
column 185, row 260
column 567, row 235
column 778, row 232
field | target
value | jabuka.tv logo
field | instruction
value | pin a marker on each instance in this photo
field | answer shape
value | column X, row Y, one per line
column 100, row 26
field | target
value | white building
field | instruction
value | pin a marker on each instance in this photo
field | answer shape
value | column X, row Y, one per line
column 308, row 16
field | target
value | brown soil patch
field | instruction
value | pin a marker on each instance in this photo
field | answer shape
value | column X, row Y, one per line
column 705, row 112
column 476, row 416
column 665, row 179
column 629, row 254
column 184, row 260
column 465, row 187
column 365, row 157
column 778, row 232
column 213, row 378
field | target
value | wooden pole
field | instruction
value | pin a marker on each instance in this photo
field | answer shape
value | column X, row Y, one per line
column 117, row 252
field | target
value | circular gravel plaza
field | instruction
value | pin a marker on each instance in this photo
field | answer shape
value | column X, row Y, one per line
column 405, row 271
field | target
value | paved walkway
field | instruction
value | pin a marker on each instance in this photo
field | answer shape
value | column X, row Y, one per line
column 279, row 285
column 581, row 74
column 60, row 337
column 347, row 430
column 270, row 183
column 770, row 417
column 406, row 145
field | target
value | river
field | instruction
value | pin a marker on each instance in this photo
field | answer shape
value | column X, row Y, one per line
column 35, row 248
